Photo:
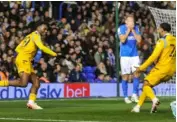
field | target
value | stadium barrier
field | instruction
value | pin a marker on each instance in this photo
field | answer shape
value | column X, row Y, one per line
column 79, row 90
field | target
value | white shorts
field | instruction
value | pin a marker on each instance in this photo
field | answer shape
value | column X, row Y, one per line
column 128, row 64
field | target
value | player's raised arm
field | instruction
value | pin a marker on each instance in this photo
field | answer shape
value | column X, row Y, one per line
column 43, row 48
column 156, row 53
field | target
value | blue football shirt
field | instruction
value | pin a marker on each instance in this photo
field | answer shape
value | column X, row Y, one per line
column 129, row 48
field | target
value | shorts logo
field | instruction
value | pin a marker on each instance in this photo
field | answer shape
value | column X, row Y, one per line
column 24, row 61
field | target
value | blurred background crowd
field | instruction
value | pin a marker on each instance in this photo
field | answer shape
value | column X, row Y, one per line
column 82, row 34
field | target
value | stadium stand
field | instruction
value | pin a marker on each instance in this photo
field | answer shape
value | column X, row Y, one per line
column 81, row 33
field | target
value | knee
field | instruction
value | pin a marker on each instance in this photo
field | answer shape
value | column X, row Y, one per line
column 23, row 84
column 136, row 75
column 146, row 83
column 37, row 85
column 125, row 77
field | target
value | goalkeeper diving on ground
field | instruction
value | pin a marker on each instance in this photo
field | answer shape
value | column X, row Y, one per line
column 164, row 55
column 26, row 51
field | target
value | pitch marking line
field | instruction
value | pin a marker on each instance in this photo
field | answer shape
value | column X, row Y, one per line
column 62, row 99
column 45, row 120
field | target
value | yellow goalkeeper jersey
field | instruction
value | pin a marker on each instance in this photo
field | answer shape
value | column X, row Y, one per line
column 164, row 53
column 29, row 45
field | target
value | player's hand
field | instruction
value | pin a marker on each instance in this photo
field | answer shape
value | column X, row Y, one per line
column 133, row 31
column 55, row 55
column 137, row 70
column 131, row 26
column 128, row 30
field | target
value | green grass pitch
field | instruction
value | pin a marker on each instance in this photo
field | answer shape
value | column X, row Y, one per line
column 84, row 110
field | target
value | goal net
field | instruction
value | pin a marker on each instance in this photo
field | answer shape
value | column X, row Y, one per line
column 160, row 16
column 164, row 15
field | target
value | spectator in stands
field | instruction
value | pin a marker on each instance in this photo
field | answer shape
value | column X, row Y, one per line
column 89, row 60
column 100, row 78
column 110, row 68
column 111, row 57
column 101, row 72
column 76, row 75
column 46, row 71
column 46, row 17
column 147, row 50
column 99, row 56
column 60, row 75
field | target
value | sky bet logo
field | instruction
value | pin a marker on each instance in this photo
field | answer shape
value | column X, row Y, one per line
column 45, row 91
column 76, row 90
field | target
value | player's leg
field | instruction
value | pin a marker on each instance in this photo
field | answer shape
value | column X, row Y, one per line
column 156, row 76
column 152, row 79
column 140, row 102
column 150, row 93
column 34, row 88
column 125, row 70
column 136, row 81
column 135, row 62
column 125, row 88
column 33, row 92
column 24, row 70
column 142, row 97
column 22, row 82
column 159, row 77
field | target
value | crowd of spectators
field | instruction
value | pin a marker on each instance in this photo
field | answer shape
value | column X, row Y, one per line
column 84, row 36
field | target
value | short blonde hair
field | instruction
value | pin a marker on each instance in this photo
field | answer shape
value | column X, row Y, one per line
column 130, row 15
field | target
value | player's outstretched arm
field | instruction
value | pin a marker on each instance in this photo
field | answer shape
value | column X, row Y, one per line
column 43, row 48
column 156, row 53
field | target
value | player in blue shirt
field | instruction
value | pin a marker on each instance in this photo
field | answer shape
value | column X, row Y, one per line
column 129, row 36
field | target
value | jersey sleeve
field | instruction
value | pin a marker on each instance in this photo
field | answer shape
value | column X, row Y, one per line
column 137, row 30
column 156, row 53
column 17, row 49
column 121, row 30
column 37, row 40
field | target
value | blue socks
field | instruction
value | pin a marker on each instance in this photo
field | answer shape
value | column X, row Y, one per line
column 135, row 85
column 125, row 88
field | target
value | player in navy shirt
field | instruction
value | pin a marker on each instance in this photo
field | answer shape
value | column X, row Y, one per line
column 129, row 36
